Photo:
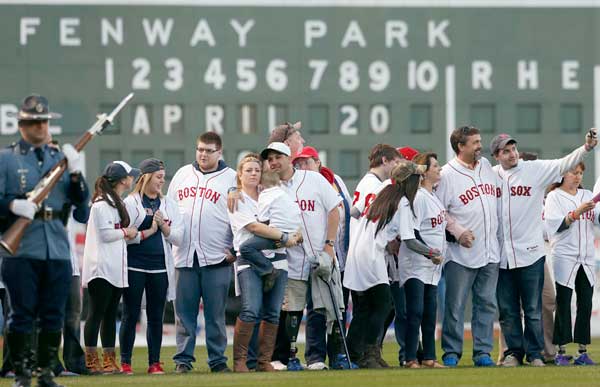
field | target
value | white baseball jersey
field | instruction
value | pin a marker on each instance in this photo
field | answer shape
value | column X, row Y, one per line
column 573, row 247
column 429, row 219
column 247, row 213
column 523, row 188
column 364, row 192
column 364, row 195
column 315, row 197
column 470, row 197
column 105, row 250
column 366, row 264
column 277, row 207
column 596, row 189
column 202, row 201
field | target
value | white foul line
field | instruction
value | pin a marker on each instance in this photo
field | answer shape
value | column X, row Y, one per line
column 596, row 119
column 450, row 109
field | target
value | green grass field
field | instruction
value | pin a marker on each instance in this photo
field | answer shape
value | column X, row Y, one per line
column 465, row 375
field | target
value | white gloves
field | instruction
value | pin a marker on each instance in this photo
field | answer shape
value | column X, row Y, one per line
column 23, row 208
column 74, row 159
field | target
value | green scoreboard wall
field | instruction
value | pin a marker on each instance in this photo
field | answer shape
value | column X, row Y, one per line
column 355, row 73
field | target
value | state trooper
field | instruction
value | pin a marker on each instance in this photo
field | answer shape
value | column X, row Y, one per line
column 38, row 275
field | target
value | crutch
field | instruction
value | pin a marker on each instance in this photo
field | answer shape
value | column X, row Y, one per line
column 338, row 317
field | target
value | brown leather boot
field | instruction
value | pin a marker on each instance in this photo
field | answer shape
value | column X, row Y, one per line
column 241, row 340
column 109, row 361
column 266, row 344
column 92, row 362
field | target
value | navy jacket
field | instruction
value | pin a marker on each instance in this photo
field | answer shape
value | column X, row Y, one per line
column 19, row 173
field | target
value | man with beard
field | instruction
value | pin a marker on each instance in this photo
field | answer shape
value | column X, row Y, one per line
column 469, row 191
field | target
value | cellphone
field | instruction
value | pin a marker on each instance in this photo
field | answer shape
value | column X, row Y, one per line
column 596, row 198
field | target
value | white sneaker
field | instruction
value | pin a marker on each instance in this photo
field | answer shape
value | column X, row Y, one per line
column 279, row 366
column 318, row 366
column 537, row 363
column 510, row 361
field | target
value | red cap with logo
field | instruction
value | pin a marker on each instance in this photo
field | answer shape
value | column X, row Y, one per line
column 407, row 152
column 307, row 152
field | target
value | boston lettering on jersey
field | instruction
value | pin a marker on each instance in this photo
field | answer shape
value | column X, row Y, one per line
column 520, row 190
column 438, row 220
column 209, row 194
column 478, row 190
column 306, row 205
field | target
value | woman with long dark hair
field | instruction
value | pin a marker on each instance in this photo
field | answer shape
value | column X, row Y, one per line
column 570, row 216
column 105, row 262
column 150, row 267
column 366, row 270
column 423, row 233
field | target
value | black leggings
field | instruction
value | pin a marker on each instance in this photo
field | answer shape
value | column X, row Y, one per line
column 370, row 308
column 563, row 333
column 103, row 305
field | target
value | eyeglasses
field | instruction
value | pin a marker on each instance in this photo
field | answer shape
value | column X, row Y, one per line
column 206, row 150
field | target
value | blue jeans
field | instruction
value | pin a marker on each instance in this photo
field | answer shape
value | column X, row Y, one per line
column 211, row 284
column 319, row 345
column 399, row 299
column 256, row 304
column 251, row 251
column 421, row 314
column 155, row 285
column 482, row 282
column 522, row 287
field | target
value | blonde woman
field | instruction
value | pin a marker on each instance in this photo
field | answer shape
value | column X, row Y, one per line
column 150, row 262
column 258, row 304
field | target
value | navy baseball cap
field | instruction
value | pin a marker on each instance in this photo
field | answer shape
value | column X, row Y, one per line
column 35, row 108
column 118, row 170
column 151, row 165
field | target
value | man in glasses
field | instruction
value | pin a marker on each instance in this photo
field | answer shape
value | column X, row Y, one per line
column 203, row 260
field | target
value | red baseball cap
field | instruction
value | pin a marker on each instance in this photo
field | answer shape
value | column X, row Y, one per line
column 407, row 152
column 307, row 152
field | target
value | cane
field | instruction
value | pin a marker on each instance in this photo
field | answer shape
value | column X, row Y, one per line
column 338, row 318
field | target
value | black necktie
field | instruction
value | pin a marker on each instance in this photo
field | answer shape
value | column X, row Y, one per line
column 39, row 153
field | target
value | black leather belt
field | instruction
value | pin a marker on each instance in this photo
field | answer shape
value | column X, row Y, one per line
column 47, row 214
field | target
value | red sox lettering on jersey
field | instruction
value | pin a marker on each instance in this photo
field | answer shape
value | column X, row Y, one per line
column 523, row 190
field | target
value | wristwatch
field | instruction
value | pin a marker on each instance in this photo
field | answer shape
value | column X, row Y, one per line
column 329, row 242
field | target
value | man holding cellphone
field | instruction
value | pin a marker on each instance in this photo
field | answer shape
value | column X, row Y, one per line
column 521, row 278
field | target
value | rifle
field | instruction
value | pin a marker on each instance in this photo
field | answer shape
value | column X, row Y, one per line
column 11, row 239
